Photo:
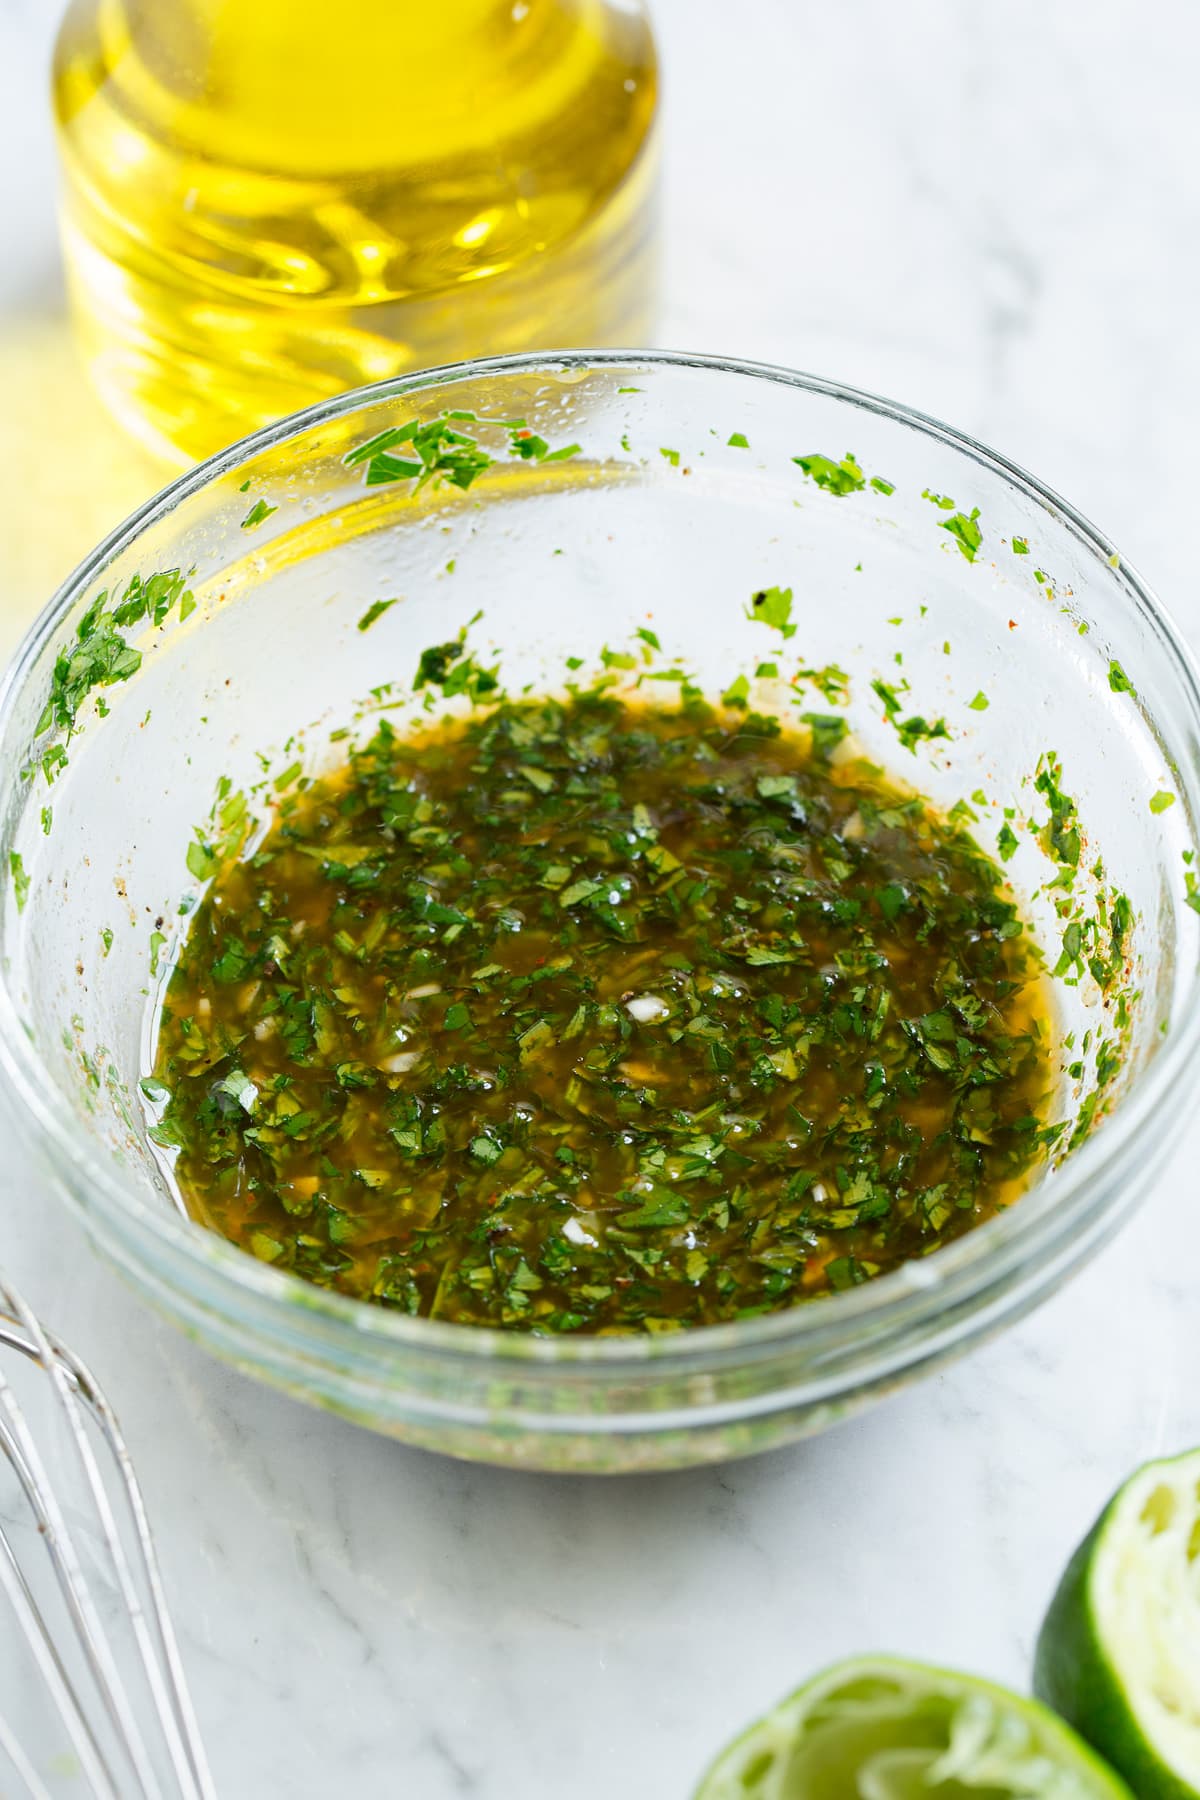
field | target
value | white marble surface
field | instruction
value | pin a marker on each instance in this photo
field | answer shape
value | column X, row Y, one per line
column 993, row 214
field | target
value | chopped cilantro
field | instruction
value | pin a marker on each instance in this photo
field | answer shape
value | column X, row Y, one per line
column 440, row 451
column 910, row 731
column 918, row 729
column 828, row 731
column 20, row 879
column 840, row 478
column 531, row 448
column 101, row 657
column 965, row 532
column 258, row 512
column 201, row 861
column 830, row 681
column 375, row 611
column 454, row 670
column 582, row 977
column 773, row 607
column 1060, row 835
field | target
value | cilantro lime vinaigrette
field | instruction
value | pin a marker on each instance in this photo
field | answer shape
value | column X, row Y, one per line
column 585, row 1016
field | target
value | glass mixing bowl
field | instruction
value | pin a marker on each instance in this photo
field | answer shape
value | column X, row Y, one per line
column 1017, row 624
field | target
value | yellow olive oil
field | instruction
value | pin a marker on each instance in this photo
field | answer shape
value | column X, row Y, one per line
column 264, row 204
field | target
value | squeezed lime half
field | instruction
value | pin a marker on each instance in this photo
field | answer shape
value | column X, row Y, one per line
column 878, row 1728
column 1119, row 1652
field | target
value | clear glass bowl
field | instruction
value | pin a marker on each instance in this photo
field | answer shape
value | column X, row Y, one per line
column 683, row 499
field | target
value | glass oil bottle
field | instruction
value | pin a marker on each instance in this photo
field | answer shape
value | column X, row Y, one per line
column 266, row 203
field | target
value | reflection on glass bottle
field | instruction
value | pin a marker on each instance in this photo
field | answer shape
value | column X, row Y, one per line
column 266, row 203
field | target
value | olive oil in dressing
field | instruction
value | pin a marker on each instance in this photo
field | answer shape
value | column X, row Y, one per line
column 587, row 1017
column 264, row 204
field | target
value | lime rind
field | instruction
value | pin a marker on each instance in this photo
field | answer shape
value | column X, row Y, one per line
column 1119, row 1652
column 880, row 1728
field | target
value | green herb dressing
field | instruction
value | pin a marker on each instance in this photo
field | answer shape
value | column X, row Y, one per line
column 583, row 1016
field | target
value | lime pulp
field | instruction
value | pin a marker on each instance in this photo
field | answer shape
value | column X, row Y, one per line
column 878, row 1728
column 1119, row 1652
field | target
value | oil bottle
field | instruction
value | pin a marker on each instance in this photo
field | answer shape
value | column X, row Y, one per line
column 266, row 203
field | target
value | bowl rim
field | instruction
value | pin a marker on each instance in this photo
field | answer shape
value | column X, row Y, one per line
column 916, row 1293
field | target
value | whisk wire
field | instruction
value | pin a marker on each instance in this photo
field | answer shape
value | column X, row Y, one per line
column 78, row 1393
column 50, row 1666
column 20, row 1762
column 69, row 1390
column 179, row 1717
column 68, row 1569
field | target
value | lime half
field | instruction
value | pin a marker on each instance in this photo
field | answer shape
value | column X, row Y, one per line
column 878, row 1728
column 1119, row 1653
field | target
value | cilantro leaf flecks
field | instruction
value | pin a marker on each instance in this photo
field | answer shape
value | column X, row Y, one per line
column 437, row 451
column 454, row 670
column 773, row 606
column 843, row 477
column 1060, row 835
column 831, row 682
column 965, row 532
column 20, row 879
column 226, row 831
column 530, row 448
column 719, row 918
column 828, row 732
column 913, row 730
column 101, row 656
column 375, row 611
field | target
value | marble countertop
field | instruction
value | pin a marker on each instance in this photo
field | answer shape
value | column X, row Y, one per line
column 991, row 214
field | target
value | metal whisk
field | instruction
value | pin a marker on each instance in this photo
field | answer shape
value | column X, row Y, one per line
column 85, row 1589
